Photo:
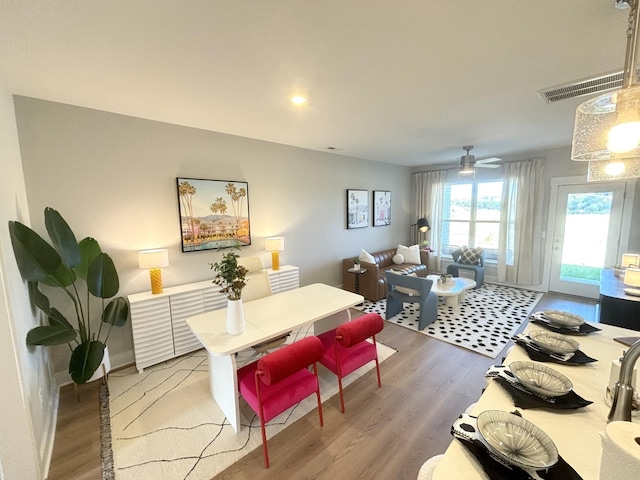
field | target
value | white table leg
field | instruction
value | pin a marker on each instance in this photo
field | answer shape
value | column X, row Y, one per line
column 452, row 301
column 223, row 383
column 461, row 297
column 332, row 321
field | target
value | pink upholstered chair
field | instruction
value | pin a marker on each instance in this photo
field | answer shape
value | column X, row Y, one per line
column 346, row 348
column 279, row 380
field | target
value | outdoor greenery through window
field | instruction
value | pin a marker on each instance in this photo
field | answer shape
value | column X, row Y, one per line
column 586, row 212
column 471, row 216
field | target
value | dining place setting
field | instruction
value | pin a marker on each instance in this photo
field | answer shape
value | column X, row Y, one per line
column 565, row 323
column 543, row 414
column 510, row 447
column 506, row 445
column 532, row 385
column 554, row 343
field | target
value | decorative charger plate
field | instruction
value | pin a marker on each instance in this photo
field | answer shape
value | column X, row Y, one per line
column 516, row 440
column 553, row 342
column 563, row 319
column 541, row 379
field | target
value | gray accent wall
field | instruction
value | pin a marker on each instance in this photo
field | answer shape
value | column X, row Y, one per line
column 113, row 177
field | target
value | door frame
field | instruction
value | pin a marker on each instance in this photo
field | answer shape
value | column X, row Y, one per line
column 549, row 234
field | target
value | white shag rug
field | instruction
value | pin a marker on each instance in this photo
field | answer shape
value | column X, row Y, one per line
column 165, row 424
column 484, row 322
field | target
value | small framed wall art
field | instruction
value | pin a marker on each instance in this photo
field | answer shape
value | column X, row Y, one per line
column 213, row 214
column 381, row 208
column 357, row 208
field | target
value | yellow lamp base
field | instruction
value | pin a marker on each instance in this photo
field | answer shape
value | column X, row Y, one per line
column 275, row 260
column 156, row 280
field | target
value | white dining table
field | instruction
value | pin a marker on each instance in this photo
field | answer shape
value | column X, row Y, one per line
column 266, row 318
column 576, row 433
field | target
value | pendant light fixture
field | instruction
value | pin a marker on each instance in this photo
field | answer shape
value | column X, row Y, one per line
column 607, row 128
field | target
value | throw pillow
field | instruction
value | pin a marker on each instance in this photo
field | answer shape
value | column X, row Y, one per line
column 366, row 257
column 397, row 259
column 470, row 256
column 408, row 291
column 411, row 254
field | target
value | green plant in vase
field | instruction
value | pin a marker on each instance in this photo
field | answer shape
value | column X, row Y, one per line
column 62, row 264
column 230, row 276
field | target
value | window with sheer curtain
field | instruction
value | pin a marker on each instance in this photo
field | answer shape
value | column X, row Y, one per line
column 502, row 216
column 471, row 216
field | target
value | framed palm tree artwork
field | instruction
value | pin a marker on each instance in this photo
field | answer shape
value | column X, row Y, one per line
column 357, row 208
column 214, row 214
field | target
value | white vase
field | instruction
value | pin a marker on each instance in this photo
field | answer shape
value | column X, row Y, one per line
column 235, row 317
column 105, row 366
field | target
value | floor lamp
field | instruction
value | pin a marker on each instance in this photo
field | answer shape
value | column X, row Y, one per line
column 422, row 225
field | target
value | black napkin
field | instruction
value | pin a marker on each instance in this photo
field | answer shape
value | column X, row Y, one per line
column 583, row 329
column 526, row 400
column 496, row 470
column 578, row 358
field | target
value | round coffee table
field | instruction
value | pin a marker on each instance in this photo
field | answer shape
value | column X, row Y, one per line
column 455, row 293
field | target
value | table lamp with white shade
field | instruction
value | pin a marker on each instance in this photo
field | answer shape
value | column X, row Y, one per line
column 274, row 245
column 632, row 278
column 153, row 260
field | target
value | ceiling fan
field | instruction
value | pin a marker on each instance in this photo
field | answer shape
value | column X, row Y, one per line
column 468, row 162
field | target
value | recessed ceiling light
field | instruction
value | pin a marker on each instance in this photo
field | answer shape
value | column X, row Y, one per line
column 298, row 99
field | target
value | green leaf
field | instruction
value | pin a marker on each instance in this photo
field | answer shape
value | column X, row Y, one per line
column 89, row 250
column 116, row 312
column 63, row 239
column 60, row 277
column 38, row 298
column 50, row 335
column 57, row 319
column 102, row 278
column 36, row 259
column 85, row 360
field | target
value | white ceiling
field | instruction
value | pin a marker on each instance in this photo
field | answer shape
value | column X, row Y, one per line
column 408, row 81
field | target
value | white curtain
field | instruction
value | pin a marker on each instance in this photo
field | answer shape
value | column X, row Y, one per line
column 428, row 197
column 519, row 256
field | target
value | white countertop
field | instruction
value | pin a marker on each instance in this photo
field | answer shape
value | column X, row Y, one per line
column 576, row 433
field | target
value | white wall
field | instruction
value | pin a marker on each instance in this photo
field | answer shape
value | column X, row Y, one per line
column 28, row 396
column 114, row 177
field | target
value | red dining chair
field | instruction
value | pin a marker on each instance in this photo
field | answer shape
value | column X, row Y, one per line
column 279, row 380
column 346, row 348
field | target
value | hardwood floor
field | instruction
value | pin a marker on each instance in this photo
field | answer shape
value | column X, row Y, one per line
column 386, row 433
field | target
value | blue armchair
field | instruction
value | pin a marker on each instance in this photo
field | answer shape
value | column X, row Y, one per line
column 458, row 264
column 403, row 289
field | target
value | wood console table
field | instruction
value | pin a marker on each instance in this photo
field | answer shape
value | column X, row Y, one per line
column 616, row 307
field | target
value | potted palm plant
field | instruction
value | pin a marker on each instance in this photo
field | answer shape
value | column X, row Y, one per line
column 231, row 277
column 86, row 277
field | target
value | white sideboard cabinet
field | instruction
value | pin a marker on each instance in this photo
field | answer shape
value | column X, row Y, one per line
column 159, row 322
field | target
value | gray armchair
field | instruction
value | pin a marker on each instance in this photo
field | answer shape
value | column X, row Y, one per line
column 478, row 270
column 403, row 289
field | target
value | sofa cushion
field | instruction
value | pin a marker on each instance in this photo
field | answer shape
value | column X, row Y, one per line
column 366, row 257
column 398, row 259
column 470, row 256
column 411, row 254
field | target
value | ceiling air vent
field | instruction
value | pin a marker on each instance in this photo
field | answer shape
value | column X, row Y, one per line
column 588, row 86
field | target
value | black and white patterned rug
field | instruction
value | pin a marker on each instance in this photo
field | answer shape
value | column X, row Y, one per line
column 484, row 322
